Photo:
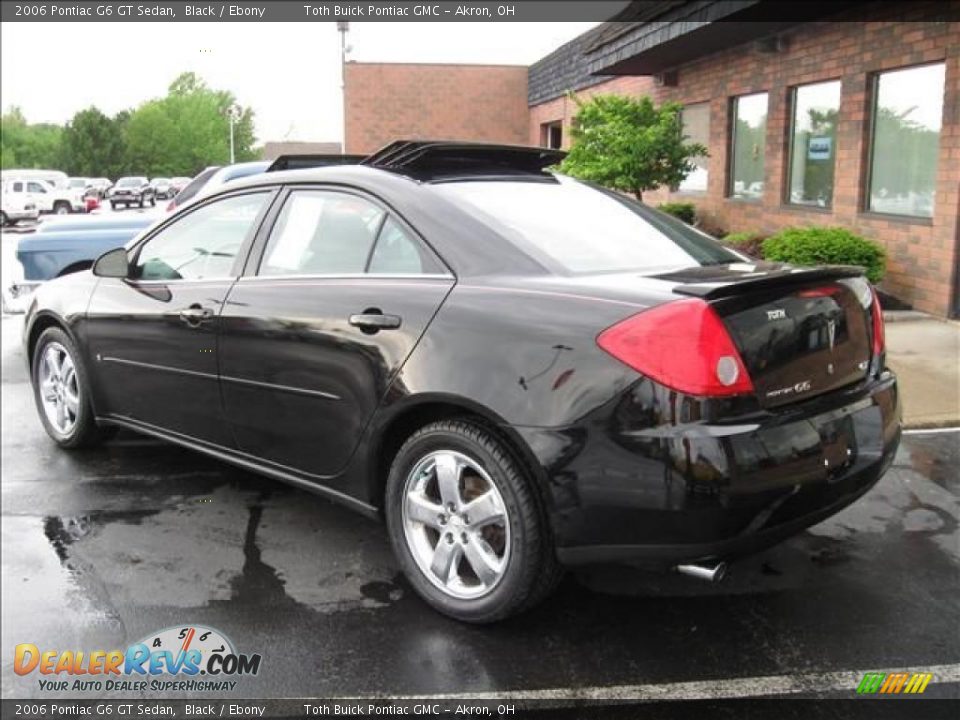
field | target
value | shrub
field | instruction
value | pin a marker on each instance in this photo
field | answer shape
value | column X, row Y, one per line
column 832, row 245
column 746, row 242
column 682, row 210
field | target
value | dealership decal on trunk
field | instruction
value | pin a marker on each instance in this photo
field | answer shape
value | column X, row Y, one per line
column 168, row 660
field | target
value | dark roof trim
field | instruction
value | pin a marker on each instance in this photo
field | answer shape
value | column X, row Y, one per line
column 310, row 160
column 442, row 159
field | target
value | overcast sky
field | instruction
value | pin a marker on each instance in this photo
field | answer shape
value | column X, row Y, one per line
column 288, row 72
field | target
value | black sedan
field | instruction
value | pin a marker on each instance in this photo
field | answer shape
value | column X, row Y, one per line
column 517, row 370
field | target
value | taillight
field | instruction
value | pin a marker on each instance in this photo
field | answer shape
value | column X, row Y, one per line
column 879, row 341
column 683, row 345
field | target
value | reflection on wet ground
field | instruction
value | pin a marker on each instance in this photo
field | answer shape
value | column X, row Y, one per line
column 101, row 548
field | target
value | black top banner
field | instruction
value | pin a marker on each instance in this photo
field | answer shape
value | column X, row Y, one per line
column 441, row 10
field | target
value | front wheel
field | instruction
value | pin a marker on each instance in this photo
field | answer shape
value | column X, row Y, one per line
column 466, row 525
column 62, row 391
column 61, row 208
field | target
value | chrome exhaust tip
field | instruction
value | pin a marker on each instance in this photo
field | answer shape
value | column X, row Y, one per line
column 710, row 573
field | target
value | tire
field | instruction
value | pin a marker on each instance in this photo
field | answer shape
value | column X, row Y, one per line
column 153, row 201
column 61, row 208
column 143, row 202
column 113, row 206
column 524, row 568
column 83, row 431
column 4, row 220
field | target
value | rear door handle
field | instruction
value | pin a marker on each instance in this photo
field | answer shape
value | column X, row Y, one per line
column 195, row 314
column 372, row 320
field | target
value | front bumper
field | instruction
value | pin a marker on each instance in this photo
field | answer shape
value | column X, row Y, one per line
column 623, row 489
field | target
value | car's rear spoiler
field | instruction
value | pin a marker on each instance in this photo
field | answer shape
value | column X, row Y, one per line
column 301, row 162
column 717, row 281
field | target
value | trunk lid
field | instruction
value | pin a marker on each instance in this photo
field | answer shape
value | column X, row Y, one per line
column 801, row 332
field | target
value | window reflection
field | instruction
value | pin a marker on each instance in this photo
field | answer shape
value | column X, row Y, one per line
column 907, row 118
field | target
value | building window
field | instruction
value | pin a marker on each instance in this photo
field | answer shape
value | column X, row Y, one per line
column 748, row 146
column 813, row 144
column 696, row 129
column 551, row 135
column 907, row 117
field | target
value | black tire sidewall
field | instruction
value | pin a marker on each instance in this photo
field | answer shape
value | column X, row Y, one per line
column 513, row 587
column 85, row 425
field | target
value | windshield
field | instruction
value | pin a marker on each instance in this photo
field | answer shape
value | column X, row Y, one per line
column 161, row 181
column 576, row 228
column 129, row 182
column 78, row 182
column 194, row 187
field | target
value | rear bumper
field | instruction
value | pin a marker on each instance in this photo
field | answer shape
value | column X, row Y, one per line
column 623, row 489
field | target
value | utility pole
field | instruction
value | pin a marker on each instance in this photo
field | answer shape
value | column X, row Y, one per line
column 343, row 28
column 233, row 114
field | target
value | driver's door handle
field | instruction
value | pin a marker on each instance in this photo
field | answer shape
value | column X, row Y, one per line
column 195, row 314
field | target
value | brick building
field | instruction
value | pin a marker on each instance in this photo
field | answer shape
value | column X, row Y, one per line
column 408, row 100
column 851, row 121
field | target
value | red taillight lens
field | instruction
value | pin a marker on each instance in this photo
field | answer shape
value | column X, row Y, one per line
column 683, row 345
column 879, row 341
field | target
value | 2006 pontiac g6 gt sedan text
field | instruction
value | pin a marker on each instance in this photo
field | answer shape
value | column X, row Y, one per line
column 517, row 370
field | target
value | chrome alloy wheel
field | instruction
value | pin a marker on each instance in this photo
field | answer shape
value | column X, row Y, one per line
column 456, row 524
column 59, row 388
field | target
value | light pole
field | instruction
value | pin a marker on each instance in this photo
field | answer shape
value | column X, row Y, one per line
column 343, row 28
column 233, row 114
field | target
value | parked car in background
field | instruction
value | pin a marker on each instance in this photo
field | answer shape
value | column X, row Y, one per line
column 518, row 371
column 60, row 247
column 162, row 189
column 16, row 204
column 134, row 190
column 49, row 190
column 213, row 177
column 179, row 183
column 101, row 186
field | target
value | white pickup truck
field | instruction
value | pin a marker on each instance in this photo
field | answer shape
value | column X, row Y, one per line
column 47, row 189
column 17, row 202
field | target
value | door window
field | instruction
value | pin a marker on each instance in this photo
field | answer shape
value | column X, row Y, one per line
column 35, row 187
column 399, row 253
column 322, row 232
column 202, row 244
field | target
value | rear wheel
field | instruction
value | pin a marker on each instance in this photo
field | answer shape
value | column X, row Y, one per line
column 466, row 525
column 62, row 391
column 114, row 205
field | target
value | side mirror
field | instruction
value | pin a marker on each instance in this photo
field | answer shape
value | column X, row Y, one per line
column 113, row 263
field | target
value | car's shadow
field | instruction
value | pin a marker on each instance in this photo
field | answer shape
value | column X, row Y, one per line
column 170, row 536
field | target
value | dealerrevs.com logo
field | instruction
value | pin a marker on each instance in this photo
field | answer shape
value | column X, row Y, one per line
column 187, row 658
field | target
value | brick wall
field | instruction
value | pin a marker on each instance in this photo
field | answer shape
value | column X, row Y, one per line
column 923, row 254
column 385, row 102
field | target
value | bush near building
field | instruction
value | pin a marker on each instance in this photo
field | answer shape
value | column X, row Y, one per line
column 826, row 245
column 685, row 211
column 749, row 243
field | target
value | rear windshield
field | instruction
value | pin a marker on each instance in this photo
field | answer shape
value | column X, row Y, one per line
column 577, row 228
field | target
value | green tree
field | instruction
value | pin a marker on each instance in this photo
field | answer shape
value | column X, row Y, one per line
column 28, row 145
column 92, row 145
column 187, row 130
column 629, row 144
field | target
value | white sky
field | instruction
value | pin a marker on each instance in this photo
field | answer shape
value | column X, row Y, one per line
column 289, row 73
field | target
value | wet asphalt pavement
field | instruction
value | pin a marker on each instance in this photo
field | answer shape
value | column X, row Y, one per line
column 102, row 547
